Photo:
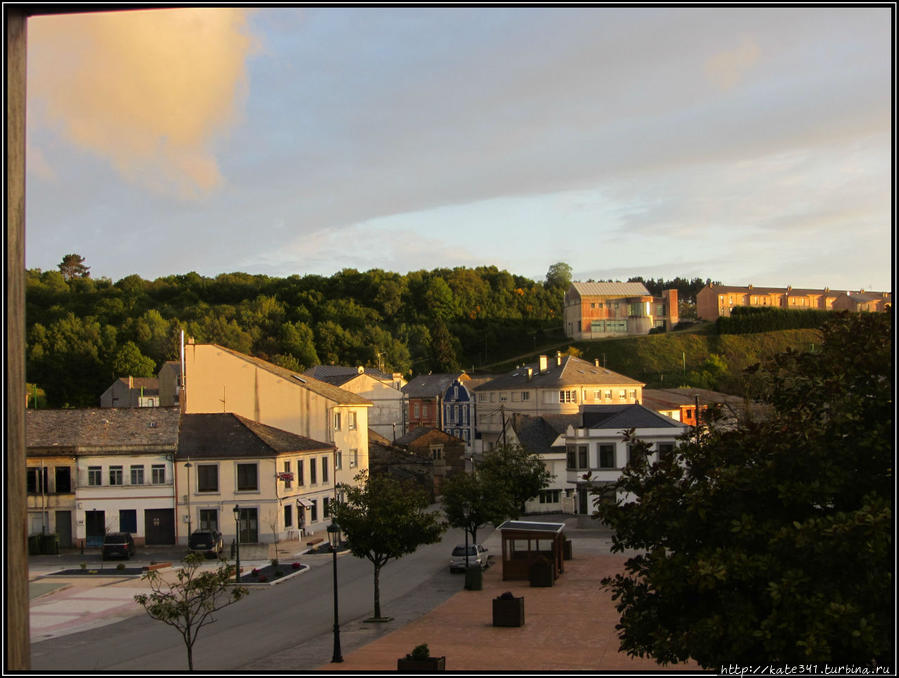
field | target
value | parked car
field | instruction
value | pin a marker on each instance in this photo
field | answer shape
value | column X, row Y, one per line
column 477, row 555
column 117, row 545
column 207, row 542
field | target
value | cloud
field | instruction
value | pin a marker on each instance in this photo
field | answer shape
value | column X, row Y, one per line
column 727, row 68
column 149, row 91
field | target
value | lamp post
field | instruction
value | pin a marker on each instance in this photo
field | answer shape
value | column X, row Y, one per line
column 237, row 541
column 188, row 466
column 334, row 539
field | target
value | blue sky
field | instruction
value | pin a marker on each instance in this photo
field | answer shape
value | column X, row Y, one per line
column 747, row 145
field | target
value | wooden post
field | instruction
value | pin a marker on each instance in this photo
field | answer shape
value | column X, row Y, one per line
column 18, row 650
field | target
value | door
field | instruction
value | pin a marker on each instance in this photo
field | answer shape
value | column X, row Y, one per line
column 159, row 526
column 249, row 526
column 64, row 528
column 94, row 527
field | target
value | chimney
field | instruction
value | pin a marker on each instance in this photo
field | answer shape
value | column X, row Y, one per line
column 558, row 358
column 530, row 373
column 750, row 285
column 596, row 362
column 130, row 381
column 360, row 370
column 543, row 363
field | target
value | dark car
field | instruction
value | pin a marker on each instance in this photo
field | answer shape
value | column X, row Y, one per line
column 118, row 545
column 207, row 542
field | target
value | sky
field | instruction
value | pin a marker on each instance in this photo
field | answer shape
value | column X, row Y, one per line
column 749, row 145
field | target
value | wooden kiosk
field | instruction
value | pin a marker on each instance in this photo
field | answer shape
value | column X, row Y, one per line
column 525, row 542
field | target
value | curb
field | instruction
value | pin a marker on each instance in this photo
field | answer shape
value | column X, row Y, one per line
column 249, row 584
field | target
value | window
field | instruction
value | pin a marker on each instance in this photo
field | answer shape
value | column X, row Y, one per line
column 571, row 454
column 482, row 397
column 313, row 471
column 137, row 475
column 549, row 496
column 665, row 449
column 436, row 452
column 63, row 479
column 634, row 454
column 622, row 394
column 209, row 519
column 607, row 394
column 324, row 469
column 569, row 396
column 207, row 478
column 326, row 507
column 354, row 458
column 301, row 464
column 313, row 511
column 632, row 395
column 351, row 421
column 157, row 474
column 503, row 396
column 606, row 456
column 128, row 520
column 36, row 480
column 415, row 411
column 582, row 456
column 338, row 460
column 247, row 477
column 115, row 475
column 93, row 475
column 288, row 515
column 287, row 483
column 336, row 421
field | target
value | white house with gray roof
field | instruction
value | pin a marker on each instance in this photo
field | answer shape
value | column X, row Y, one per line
column 595, row 443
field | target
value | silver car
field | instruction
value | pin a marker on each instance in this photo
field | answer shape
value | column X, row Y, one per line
column 477, row 555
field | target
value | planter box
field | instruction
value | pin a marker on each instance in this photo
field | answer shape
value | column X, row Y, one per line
column 429, row 665
column 508, row 611
column 566, row 551
column 541, row 573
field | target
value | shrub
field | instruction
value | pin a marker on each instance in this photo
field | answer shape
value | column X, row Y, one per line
column 419, row 653
column 274, row 562
column 296, row 566
column 120, row 566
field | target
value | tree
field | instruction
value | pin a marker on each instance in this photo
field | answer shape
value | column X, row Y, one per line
column 772, row 538
column 470, row 501
column 72, row 266
column 129, row 361
column 502, row 480
column 522, row 474
column 383, row 520
column 189, row 603
column 558, row 277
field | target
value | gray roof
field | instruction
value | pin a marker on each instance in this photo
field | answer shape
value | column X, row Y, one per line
column 670, row 398
column 611, row 289
column 537, row 434
column 572, row 371
column 150, row 385
column 532, row 526
column 430, row 385
column 214, row 436
column 329, row 391
column 338, row 375
column 621, row 417
column 117, row 428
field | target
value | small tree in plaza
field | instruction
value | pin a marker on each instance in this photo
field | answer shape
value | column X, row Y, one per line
column 470, row 501
column 189, row 603
column 383, row 520
column 771, row 539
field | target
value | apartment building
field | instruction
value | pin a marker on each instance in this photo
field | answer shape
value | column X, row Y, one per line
column 598, row 310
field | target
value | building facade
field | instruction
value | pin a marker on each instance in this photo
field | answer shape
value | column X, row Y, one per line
column 218, row 379
column 599, row 310
column 714, row 301
column 132, row 392
column 232, row 471
column 559, row 385
column 383, row 390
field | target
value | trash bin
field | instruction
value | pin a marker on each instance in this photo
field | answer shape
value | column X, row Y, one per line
column 474, row 578
column 566, row 551
column 50, row 544
column 541, row 572
column 34, row 545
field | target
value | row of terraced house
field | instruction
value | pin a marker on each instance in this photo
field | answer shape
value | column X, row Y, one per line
column 226, row 441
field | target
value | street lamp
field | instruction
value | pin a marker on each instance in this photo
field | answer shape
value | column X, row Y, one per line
column 334, row 539
column 237, row 540
column 188, row 466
